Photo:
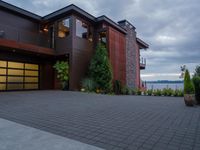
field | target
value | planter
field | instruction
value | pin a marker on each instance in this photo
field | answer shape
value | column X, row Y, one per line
column 189, row 99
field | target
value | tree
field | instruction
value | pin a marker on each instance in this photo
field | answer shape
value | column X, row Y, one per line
column 62, row 68
column 188, row 85
column 197, row 71
column 100, row 69
column 183, row 69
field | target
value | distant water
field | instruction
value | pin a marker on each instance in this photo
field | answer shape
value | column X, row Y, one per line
column 164, row 85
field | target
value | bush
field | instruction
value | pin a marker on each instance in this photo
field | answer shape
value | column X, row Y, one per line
column 138, row 92
column 88, row 85
column 126, row 90
column 196, row 81
column 149, row 92
column 188, row 85
column 100, row 69
column 62, row 68
column 158, row 92
column 178, row 93
column 117, row 87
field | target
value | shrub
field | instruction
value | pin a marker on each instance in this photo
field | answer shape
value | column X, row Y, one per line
column 117, row 87
column 164, row 92
column 88, row 85
column 100, row 69
column 62, row 68
column 138, row 92
column 150, row 92
column 158, row 92
column 126, row 90
column 188, row 85
column 196, row 81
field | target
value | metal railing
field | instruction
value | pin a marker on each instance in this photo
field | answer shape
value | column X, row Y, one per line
column 143, row 61
column 24, row 36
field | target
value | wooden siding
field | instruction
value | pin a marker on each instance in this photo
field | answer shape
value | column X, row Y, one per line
column 117, row 54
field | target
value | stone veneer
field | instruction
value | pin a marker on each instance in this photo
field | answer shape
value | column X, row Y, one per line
column 131, row 58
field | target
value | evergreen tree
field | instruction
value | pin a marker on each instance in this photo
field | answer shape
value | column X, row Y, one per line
column 188, row 85
column 100, row 69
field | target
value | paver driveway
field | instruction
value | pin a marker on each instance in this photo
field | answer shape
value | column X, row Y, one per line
column 109, row 122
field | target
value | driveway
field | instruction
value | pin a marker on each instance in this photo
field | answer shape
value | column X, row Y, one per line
column 109, row 122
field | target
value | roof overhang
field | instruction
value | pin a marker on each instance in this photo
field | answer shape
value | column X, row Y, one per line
column 19, row 11
column 142, row 44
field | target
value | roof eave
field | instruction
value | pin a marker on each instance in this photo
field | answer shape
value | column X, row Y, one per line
column 142, row 43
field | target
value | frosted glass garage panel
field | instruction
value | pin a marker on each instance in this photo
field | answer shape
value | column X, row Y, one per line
column 32, row 66
column 3, row 64
column 14, row 86
column 15, row 72
column 15, row 65
column 2, row 78
column 2, row 71
column 31, row 86
column 31, row 79
column 15, row 79
column 31, row 73
column 2, row 86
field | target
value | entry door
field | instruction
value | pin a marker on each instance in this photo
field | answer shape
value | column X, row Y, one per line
column 18, row 76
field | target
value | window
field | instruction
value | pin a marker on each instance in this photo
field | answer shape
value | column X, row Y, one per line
column 102, row 37
column 81, row 29
column 64, row 28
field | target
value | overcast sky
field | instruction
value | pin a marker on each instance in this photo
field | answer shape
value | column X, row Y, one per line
column 170, row 27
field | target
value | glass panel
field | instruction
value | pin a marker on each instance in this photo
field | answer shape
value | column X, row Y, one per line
column 31, row 73
column 15, row 65
column 15, row 79
column 2, row 71
column 81, row 29
column 63, row 28
column 31, row 66
column 31, row 86
column 102, row 37
column 31, row 79
column 2, row 78
column 2, row 63
column 14, row 86
column 15, row 72
column 2, row 86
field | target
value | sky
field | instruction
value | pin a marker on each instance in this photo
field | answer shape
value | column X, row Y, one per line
column 170, row 27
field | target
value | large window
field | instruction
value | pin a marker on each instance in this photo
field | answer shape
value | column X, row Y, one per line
column 18, row 76
column 83, row 30
column 64, row 28
column 102, row 37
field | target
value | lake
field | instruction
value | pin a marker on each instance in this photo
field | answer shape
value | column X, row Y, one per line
column 164, row 85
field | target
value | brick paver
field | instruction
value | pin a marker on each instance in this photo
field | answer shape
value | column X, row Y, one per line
column 109, row 122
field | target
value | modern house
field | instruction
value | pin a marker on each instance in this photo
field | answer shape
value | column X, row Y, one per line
column 30, row 45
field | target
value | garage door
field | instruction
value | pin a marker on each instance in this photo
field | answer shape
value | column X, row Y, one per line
column 18, row 76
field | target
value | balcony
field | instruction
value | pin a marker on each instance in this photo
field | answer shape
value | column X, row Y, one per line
column 23, row 36
column 142, row 63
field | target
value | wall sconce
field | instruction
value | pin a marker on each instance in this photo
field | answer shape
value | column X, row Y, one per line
column 45, row 29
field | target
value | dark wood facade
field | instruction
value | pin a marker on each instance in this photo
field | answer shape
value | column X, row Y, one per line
column 26, row 37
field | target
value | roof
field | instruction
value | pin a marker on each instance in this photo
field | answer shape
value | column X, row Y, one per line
column 20, row 11
column 142, row 43
column 60, row 12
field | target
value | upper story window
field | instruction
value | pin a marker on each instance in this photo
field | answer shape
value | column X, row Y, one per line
column 83, row 30
column 102, row 37
column 64, row 28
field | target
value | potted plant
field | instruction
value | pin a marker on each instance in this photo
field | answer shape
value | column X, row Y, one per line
column 189, row 96
column 62, row 68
